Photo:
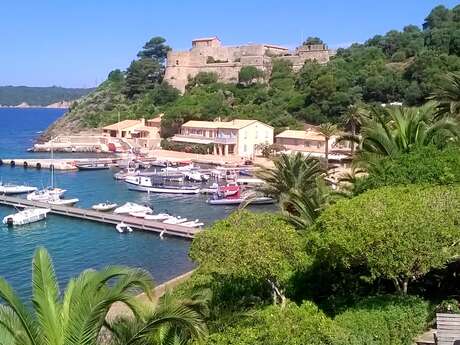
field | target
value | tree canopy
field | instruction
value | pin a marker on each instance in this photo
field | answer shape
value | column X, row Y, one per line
column 260, row 248
column 396, row 233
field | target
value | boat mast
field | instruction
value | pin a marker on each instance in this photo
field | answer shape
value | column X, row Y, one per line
column 52, row 165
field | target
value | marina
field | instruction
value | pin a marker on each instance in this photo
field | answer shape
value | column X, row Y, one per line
column 134, row 222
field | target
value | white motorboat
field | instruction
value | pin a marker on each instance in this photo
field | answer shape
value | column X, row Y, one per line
column 123, row 228
column 50, row 197
column 56, row 191
column 62, row 202
column 214, row 188
column 131, row 207
column 121, row 175
column 141, row 214
column 16, row 189
column 29, row 215
column 104, row 206
column 193, row 224
column 261, row 200
column 145, row 184
column 158, row 217
column 195, row 176
column 175, row 220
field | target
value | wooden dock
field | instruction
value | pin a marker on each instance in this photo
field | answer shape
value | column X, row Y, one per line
column 107, row 218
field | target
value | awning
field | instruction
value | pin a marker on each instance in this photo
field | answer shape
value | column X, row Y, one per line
column 191, row 140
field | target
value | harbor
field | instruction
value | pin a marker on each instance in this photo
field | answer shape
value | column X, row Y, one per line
column 106, row 218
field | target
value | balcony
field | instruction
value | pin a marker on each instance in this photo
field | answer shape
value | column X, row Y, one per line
column 229, row 140
column 199, row 139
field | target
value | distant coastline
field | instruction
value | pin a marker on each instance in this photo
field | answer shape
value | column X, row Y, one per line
column 25, row 105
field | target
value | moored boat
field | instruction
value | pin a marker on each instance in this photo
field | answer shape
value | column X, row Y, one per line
column 92, row 166
column 104, row 206
column 123, row 228
column 158, row 217
column 145, row 184
column 193, row 224
column 29, row 215
column 131, row 207
column 175, row 220
column 16, row 189
column 237, row 201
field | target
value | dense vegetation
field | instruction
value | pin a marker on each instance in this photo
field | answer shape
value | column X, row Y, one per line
column 404, row 66
column 39, row 96
column 366, row 263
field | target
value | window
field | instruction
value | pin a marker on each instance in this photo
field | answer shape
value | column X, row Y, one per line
column 245, row 148
column 177, row 62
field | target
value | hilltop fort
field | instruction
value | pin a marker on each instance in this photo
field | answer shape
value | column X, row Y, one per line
column 209, row 55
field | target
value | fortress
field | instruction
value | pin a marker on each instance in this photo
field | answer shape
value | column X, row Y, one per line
column 209, row 55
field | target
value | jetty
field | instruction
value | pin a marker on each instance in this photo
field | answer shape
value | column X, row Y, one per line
column 57, row 163
column 106, row 218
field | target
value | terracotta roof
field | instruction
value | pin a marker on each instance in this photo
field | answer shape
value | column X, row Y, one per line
column 123, row 125
column 234, row 124
column 305, row 135
column 156, row 119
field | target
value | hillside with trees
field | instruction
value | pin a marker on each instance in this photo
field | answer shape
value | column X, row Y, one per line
column 400, row 66
column 39, row 96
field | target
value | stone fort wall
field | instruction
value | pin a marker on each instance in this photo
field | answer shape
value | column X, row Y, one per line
column 209, row 55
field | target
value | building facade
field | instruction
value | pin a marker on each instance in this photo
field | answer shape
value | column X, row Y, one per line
column 236, row 137
column 138, row 133
column 209, row 55
column 312, row 142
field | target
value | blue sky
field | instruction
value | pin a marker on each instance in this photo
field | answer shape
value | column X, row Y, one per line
column 76, row 43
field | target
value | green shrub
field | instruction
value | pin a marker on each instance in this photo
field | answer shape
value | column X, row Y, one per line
column 396, row 233
column 423, row 165
column 385, row 320
column 273, row 325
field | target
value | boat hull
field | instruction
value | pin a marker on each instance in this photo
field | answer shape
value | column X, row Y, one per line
column 238, row 201
column 165, row 190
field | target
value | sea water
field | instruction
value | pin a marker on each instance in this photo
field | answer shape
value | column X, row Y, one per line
column 76, row 245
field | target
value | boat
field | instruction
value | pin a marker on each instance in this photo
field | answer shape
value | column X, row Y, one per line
column 141, row 214
column 158, row 217
column 29, row 215
column 92, row 166
column 16, row 189
column 193, row 224
column 45, row 194
column 121, row 175
column 123, row 228
column 146, row 184
column 62, row 202
column 195, row 176
column 261, row 200
column 131, row 207
column 104, row 206
column 175, row 220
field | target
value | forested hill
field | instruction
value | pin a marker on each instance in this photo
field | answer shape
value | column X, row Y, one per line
column 402, row 65
column 38, row 96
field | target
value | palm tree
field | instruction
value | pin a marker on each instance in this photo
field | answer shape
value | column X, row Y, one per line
column 352, row 118
column 390, row 131
column 173, row 320
column 293, row 181
column 448, row 96
column 327, row 130
column 76, row 317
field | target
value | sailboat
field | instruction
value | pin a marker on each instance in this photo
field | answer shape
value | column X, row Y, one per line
column 52, row 194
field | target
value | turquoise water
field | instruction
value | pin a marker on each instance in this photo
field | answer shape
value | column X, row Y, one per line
column 75, row 245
